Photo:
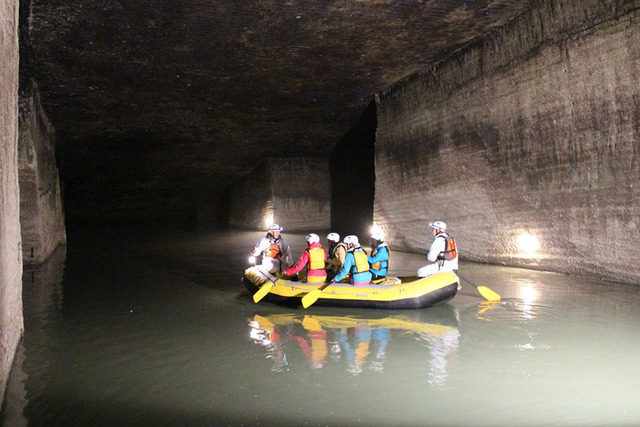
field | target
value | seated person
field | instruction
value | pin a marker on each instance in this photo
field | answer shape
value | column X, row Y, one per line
column 379, row 259
column 313, row 258
column 337, row 252
column 355, row 264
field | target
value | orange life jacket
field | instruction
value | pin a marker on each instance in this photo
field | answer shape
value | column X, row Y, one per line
column 273, row 251
column 450, row 251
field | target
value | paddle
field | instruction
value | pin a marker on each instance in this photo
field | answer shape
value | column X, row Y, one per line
column 484, row 291
column 313, row 296
column 264, row 289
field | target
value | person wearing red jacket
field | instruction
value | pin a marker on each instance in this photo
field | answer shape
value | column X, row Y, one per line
column 314, row 259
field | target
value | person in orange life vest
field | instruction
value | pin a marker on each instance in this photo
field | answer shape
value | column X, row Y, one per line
column 379, row 259
column 337, row 253
column 276, row 254
column 355, row 264
column 313, row 258
column 443, row 253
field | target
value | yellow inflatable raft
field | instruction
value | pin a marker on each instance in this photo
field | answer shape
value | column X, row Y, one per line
column 392, row 293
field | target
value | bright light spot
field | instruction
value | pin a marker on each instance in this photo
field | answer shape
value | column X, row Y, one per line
column 528, row 244
column 376, row 230
column 529, row 295
column 268, row 220
column 252, row 260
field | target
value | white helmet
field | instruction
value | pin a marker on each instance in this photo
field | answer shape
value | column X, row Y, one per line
column 312, row 238
column 334, row 237
column 439, row 225
column 377, row 233
column 351, row 240
column 275, row 227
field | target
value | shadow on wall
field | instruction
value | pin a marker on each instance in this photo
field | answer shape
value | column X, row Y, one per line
column 352, row 167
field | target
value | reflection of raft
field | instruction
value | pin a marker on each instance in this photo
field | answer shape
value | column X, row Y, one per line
column 417, row 293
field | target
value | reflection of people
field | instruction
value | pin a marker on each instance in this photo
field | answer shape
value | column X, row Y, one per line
column 276, row 254
column 355, row 263
column 313, row 258
column 337, row 252
column 379, row 259
column 443, row 253
column 356, row 353
column 444, row 350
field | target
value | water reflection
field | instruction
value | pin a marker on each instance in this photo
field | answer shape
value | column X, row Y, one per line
column 42, row 300
column 357, row 344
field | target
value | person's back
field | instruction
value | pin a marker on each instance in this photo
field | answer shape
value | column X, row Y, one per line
column 356, row 264
column 313, row 258
column 379, row 259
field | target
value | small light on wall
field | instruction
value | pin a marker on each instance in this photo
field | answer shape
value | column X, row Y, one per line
column 268, row 220
column 528, row 244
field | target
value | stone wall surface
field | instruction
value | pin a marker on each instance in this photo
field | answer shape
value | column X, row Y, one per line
column 41, row 215
column 294, row 192
column 251, row 199
column 301, row 194
column 535, row 128
column 11, row 320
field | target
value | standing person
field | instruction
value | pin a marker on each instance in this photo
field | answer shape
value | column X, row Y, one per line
column 355, row 264
column 276, row 254
column 379, row 259
column 313, row 258
column 337, row 253
column 443, row 253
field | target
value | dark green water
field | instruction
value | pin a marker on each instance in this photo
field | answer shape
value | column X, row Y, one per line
column 156, row 328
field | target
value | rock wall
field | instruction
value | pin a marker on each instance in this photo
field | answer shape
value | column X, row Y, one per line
column 533, row 129
column 11, row 320
column 41, row 215
column 294, row 192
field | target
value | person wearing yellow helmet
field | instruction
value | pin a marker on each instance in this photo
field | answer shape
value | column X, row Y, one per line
column 443, row 253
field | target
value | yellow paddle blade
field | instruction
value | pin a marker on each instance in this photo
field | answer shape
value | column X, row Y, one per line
column 488, row 293
column 311, row 297
column 262, row 292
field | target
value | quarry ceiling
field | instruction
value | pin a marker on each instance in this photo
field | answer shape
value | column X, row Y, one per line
column 160, row 102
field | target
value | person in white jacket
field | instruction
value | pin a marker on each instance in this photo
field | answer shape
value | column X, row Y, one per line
column 443, row 253
column 276, row 254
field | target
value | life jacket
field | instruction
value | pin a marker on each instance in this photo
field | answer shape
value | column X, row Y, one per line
column 362, row 263
column 273, row 251
column 316, row 258
column 380, row 265
column 450, row 251
column 334, row 251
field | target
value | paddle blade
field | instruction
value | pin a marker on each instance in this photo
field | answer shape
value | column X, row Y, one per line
column 311, row 297
column 262, row 292
column 488, row 293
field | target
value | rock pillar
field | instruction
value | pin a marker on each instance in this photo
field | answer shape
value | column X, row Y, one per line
column 41, row 215
column 11, row 320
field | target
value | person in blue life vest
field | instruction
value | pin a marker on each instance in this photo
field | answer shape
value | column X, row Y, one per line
column 355, row 264
column 276, row 254
column 379, row 259
column 443, row 253
column 314, row 259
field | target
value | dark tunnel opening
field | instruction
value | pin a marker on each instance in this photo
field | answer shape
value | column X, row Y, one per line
column 352, row 167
